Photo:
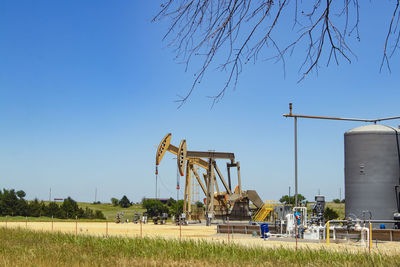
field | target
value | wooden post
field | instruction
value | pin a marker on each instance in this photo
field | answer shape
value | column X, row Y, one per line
column 52, row 223
column 76, row 225
column 141, row 233
column 106, row 227
column 228, row 229
column 370, row 237
column 327, row 233
column 295, row 231
column 26, row 221
column 180, row 231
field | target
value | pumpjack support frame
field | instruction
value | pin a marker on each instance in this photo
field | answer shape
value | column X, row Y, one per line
column 217, row 203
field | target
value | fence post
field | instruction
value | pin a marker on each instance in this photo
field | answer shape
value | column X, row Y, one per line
column 295, row 231
column 327, row 233
column 141, row 232
column 52, row 223
column 228, row 229
column 180, row 231
column 26, row 221
column 106, row 227
column 76, row 225
column 370, row 237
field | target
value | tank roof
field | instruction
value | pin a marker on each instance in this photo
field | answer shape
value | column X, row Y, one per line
column 373, row 128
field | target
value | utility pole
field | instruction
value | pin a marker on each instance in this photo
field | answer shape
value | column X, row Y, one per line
column 95, row 195
column 340, row 193
column 289, row 195
column 295, row 158
column 50, row 195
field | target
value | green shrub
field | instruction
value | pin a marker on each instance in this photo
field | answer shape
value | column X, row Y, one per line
column 124, row 202
column 154, row 207
column 330, row 214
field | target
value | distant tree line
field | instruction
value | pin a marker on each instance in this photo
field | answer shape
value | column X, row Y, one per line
column 291, row 200
column 12, row 203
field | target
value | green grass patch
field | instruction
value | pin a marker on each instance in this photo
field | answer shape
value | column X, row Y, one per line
column 111, row 211
column 19, row 247
column 108, row 210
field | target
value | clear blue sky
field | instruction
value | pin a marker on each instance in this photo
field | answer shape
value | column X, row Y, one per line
column 87, row 91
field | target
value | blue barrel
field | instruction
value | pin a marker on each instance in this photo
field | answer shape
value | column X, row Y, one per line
column 382, row 226
column 264, row 230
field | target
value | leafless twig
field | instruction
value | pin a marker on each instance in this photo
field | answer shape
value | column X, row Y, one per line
column 233, row 32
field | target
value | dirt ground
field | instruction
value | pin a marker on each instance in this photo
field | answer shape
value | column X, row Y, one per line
column 195, row 231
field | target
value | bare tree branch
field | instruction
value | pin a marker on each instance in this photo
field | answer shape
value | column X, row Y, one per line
column 233, row 32
column 385, row 58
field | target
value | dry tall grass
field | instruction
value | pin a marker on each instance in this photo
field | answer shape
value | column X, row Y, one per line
column 19, row 247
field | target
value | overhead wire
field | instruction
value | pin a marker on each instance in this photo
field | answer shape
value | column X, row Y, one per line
column 165, row 187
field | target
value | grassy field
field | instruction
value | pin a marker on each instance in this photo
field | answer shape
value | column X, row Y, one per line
column 20, row 247
column 110, row 211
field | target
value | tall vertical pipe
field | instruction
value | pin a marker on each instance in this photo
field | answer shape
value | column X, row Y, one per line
column 295, row 162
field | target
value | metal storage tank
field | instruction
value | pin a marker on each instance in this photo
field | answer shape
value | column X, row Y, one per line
column 371, row 171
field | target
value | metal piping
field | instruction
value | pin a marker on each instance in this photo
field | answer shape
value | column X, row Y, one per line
column 364, row 221
column 290, row 115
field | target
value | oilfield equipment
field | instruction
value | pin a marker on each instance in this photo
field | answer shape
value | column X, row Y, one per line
column 372, row 189
column 219, row 204
column 372, row 169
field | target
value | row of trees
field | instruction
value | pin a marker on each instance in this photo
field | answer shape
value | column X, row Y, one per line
column 290, row 200
column 12, row 203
